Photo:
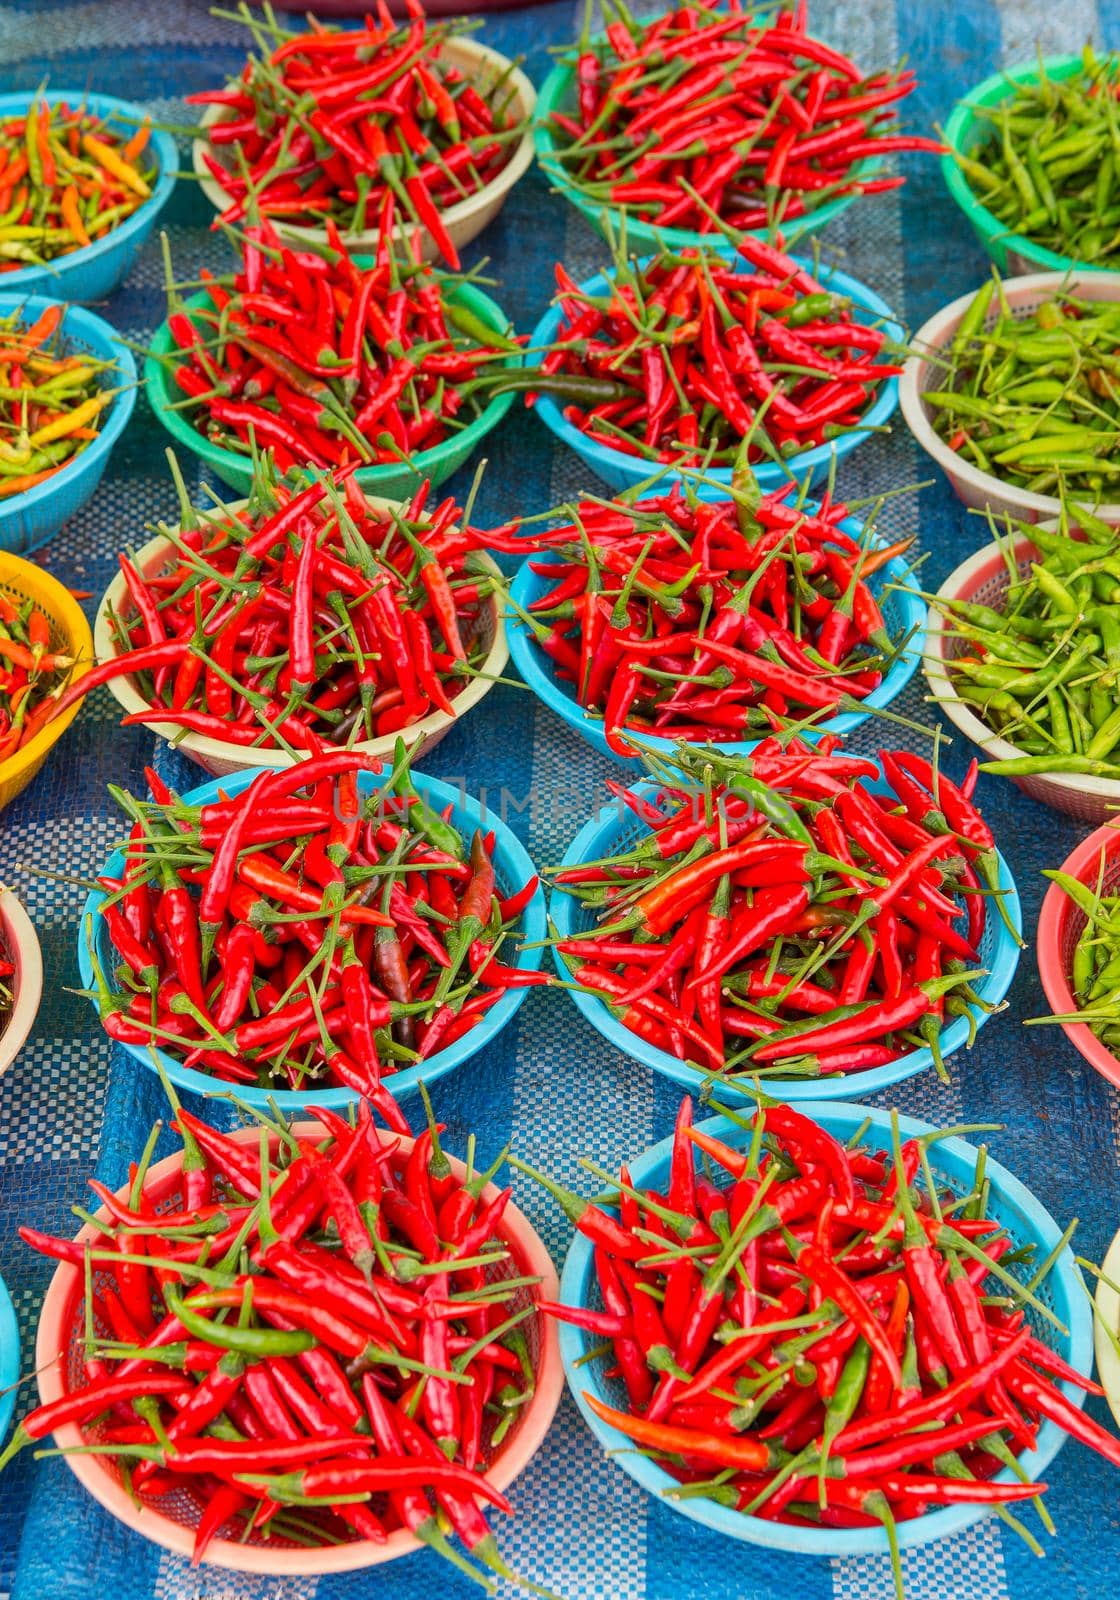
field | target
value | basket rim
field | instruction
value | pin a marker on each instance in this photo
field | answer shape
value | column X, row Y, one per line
column 470, row 51
column 612, row 464
column 935, row 333
column 466, row 812
column 231, row 1554
column 424, row 463
column 22, row 944
column 204, row 748
column 549, row 96
column 1058, row 911
column 106, row 341
column 990, row 91
column 162, row 144
column 592, row 841
column 9, row 1358
column 1107, row 1302
column 73, row 622
column 842, row 1120
column 526, row 657
column 958, row 586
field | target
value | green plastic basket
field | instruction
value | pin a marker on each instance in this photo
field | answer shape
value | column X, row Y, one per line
column 965, row 132
column 557, row 93
column 394, row 480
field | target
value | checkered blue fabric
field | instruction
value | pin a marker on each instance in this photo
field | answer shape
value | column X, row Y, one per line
column 71, row 1105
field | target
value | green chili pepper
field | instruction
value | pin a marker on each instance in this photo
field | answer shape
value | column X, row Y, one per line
column 1045, row 165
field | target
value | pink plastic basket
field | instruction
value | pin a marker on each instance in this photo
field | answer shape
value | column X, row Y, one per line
column 1023, row 296
column 172, row 1520
column 1060, row 927
column 984, row 578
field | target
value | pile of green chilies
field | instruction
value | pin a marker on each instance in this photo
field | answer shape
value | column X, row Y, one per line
column 1035, row 401
column 1043, row 672
column 1049, row 168
column 1094, row 975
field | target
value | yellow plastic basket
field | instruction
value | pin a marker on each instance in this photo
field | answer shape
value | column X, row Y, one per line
column 70, row 635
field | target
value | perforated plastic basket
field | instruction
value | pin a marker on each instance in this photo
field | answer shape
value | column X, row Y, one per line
column 20, row 943
column 557, row 93
column 9, row 1359
column 984, row 578
column 616, row 828
column 623, row 471
column 171, row 1520
column 464, row 220
column 69, row 635
column 29, row 519
column 954, row 1164
column 1023, row 296
column 218, row 756
column 512, row 868
column 396, row 480
column 96, row 269
column 967, row 133
column 1107, row 1302
column 903, row 614
column 1061, row 926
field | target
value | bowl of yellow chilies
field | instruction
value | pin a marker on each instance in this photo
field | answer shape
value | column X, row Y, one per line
column 83, row 178
column 67, row 389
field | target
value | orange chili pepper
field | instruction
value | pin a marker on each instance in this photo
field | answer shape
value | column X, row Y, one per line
column 72, row 216
column 138, row 142
column 43, row 140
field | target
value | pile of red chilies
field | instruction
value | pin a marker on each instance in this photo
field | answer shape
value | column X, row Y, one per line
column 782, row 919
column 316, row 1345
column 315, row 619
column 321, row 124
column 294, row 935
column 327, row 362
column 703, row 356
column 7, row 996
column 706, row 112
column 707, row 620
column 807, row 1336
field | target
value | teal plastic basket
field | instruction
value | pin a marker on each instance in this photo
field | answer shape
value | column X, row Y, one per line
column 812, row 466
column 393, row 480
column 616, row 828
column 28, row 520
column 512, row 868
column 557, row 93
column 96, row 269
column 904, row 615
column 965, row 132
column 9, row 1359
column 954, row 1164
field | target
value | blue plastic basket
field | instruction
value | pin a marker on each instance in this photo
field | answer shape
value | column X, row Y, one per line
column 9, row 1359
column 623, row 471
column 96, row 269
column 954, row 1164
column 512, row 868
column 28, row 520
column 903, row 613
column 616, row 828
